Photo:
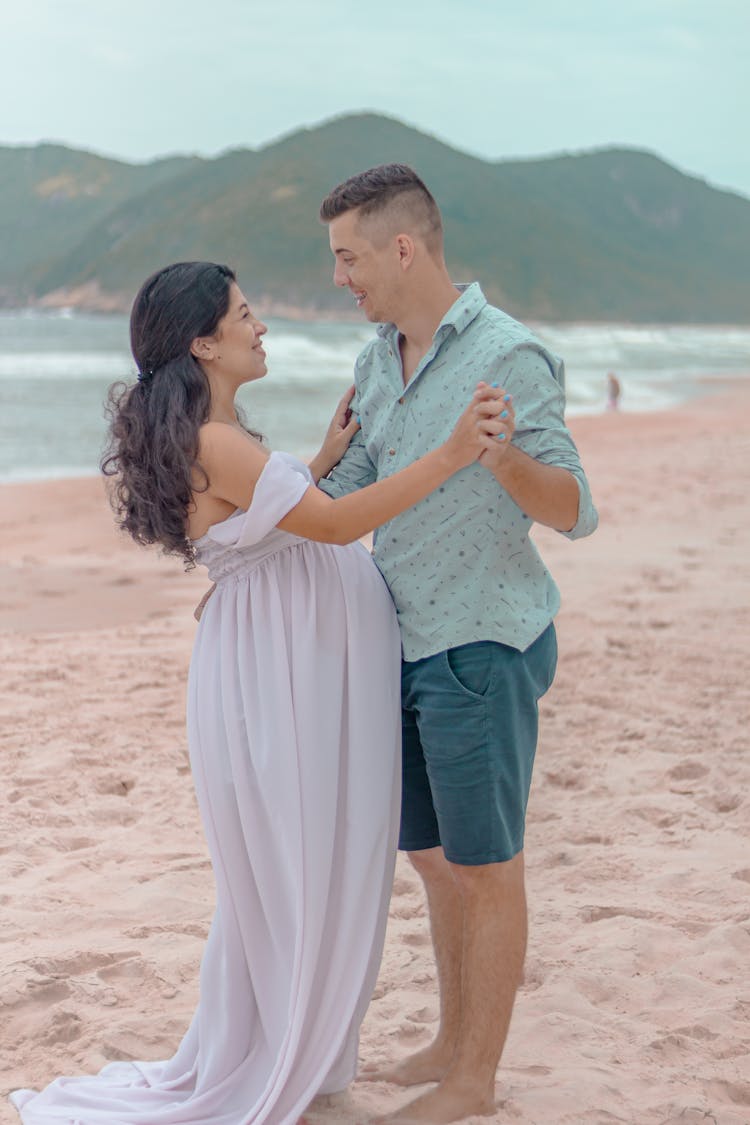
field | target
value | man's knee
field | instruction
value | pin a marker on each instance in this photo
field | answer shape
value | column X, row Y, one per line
column 431, row 864
column 487, row 879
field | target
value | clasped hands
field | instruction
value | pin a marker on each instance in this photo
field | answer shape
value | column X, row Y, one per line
column 491, row 410
column 495, row 405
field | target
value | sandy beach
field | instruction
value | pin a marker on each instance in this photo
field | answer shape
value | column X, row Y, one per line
column 635, row 1003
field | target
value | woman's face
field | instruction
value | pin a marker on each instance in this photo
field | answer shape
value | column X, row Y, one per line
column 239, row 341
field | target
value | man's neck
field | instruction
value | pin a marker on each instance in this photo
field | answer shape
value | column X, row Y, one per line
column 419, row 323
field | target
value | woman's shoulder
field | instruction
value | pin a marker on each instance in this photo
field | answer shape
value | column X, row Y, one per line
column 220, row 439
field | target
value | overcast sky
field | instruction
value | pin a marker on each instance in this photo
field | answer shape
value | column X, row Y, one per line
column 144, row 78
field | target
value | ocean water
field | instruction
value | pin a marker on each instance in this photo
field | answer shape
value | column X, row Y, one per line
column 55, row 370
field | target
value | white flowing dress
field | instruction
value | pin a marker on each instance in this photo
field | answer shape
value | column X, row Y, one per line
column 294, row 734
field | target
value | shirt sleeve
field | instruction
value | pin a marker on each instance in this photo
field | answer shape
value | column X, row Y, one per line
column 354, row 470
column 539, row 404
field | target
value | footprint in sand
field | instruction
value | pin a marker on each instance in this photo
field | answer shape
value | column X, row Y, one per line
column 61, row 1027
column 192, row 929
column 598, row 913
column 533, row 976
column 696, row 1031
column 661, row 581
column 417, row 937
column 687, row 771
column 733, row 1093
column 423, row 1015
column 35, row 989
column 725, row 802
column 119, row 786
column 566, row 779
column 590, row 838
column 411, row 1030
column 79, row 963
column 689, row 1115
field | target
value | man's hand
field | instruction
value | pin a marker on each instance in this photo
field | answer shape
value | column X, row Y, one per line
column 547, row 494
column 494, row 456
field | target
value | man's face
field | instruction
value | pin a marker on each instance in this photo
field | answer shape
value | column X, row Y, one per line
column 370, row 272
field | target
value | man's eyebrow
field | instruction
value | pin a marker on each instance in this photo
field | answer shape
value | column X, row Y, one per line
column 342, row 250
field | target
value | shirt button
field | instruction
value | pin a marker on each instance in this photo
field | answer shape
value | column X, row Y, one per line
column 391, row 452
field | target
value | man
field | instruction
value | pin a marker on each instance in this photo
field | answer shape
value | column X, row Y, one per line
column 474, row 600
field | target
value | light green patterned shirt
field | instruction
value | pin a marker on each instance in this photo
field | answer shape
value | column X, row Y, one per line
column 460, row 565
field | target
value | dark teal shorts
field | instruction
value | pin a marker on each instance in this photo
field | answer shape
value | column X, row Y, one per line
column 470, row 722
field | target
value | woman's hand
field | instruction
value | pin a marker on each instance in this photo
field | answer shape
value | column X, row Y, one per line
column 339, row 434
column 485, row 427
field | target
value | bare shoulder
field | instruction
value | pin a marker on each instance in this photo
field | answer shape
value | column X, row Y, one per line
column 232, row 460
column 221, row 435
column 218, row 442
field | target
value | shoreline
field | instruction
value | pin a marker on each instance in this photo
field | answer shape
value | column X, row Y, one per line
column 120, row 305
column 706, row 386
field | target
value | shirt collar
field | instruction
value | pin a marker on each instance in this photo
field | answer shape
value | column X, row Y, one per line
column 458, row 317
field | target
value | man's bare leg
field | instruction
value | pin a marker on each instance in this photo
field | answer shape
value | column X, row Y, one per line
column 445, row 904
column 494, row 946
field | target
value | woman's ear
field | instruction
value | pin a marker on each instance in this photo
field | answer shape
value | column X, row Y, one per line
column 203, row 347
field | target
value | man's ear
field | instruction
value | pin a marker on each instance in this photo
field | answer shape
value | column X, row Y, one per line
column 405, row 246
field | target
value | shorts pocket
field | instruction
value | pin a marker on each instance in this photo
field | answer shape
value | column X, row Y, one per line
column 469, row 667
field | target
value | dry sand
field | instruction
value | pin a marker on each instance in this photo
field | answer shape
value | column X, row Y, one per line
column 636, row 998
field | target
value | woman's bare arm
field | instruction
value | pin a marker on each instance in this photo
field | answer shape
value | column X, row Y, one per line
column 234, row 462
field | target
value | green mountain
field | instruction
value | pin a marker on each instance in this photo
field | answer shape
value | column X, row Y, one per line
column 51, row 196
column 606, row 235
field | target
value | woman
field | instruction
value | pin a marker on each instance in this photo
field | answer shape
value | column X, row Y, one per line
column 293, row 717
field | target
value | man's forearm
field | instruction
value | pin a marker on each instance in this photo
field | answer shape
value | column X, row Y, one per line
column 320, row 466
column 546, row 493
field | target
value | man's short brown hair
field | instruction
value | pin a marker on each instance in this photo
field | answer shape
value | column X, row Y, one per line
column 386, row 189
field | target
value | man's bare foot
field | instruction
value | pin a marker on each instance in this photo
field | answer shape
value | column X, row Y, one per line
column 448, row 1102
column 428, row 1065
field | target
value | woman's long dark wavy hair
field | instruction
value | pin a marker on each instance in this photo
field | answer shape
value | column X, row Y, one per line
column 152, row 451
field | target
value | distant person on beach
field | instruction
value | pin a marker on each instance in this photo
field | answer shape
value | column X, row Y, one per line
column 613, row 391
column 475, row 603
column 293, row 715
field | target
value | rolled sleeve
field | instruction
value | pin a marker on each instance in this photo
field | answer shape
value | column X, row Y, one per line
column 540, row 431
column 354, row 470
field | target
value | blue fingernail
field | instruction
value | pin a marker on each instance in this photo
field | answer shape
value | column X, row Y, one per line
column 494, row 384
column 506, row 398
column 504, row 414
column 358, row 419
column 501, row 437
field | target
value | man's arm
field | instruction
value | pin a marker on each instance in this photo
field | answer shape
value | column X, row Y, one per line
column 546, row 493
column 355, row 469
column 540, row 468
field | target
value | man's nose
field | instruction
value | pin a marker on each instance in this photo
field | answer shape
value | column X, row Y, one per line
column 340, row 276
